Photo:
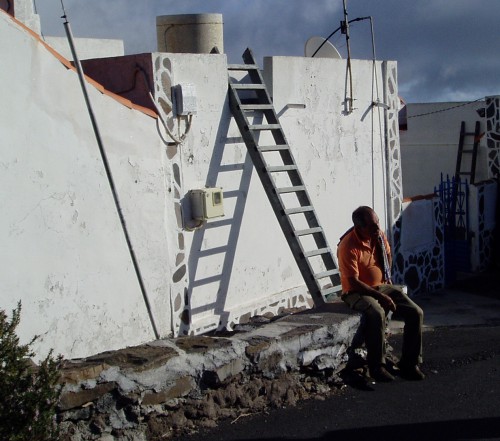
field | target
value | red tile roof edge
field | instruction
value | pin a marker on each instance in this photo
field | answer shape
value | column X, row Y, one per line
column 420, row 197
column 68, row 65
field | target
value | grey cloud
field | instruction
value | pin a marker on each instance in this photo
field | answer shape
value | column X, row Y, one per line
column 446, row 50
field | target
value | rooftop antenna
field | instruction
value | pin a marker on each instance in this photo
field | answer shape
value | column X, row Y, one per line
column 344, row 28
column 107, row 168
column 320, row 47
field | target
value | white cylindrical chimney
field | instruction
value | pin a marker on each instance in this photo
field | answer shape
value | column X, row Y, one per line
column 190, row 33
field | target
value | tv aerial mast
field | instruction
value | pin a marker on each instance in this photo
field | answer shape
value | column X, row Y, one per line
column 344, row 29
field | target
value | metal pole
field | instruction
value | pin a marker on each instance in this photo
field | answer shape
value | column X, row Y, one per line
column 109, row 175
column 349, row 71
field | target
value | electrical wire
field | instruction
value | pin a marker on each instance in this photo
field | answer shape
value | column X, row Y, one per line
column 177, row 140
column 375, row 103
column 169, row 132
column 445, row 110
column 334, row 32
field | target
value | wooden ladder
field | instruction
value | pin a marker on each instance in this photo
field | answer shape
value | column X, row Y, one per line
column 256, row 117
column 471, row 173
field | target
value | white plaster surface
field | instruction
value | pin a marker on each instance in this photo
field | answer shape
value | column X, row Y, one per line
column 87, row 48
column 418, row 231
column 429, row 146
column 339, row 155
column 63, row 252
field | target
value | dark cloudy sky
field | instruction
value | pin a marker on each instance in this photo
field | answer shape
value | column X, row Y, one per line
column 447, row 50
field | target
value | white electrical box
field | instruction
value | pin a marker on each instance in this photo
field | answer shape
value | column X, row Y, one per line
column 185, row 99
column 207, row 203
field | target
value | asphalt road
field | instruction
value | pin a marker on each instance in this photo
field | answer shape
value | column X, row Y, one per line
column 459, row 400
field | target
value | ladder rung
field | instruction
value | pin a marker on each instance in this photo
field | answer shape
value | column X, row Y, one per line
column 299, row 209
column 308, row 231
column 248, row 97
column 281, row 168
column 265, row 126
column 242, row 66
column 326, row 274
column 273, row 148
column 246, row 86
column 256, row 106
column 291, row 189
column 317, row 252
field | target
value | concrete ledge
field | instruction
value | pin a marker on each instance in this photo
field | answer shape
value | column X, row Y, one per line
column 186, row 382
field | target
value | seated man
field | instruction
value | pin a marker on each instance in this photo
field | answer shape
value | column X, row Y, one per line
column 364, row 262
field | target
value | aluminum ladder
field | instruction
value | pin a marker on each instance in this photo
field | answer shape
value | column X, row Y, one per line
column 254, row 113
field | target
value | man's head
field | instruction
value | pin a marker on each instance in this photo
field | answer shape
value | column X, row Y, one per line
column 366, row 222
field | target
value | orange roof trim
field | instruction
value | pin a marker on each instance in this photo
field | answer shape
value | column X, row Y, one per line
column 420, row 197
column 69, row 65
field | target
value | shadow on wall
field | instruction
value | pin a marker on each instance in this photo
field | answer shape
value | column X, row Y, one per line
column 228, row 250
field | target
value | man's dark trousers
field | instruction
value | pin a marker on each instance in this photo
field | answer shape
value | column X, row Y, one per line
column 375, row 324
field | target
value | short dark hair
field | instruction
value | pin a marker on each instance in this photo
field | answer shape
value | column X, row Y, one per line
column 359, row 216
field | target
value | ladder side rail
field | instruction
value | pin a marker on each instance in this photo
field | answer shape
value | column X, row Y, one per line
column 461, row 139
column 477, row 137
column 270, row 189
column 287, row 157
column 265, row 105
column 280, row 138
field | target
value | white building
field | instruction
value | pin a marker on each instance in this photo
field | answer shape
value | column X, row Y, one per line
column 429, row 143
column 64, row 253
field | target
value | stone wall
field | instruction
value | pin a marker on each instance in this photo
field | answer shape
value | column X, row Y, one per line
column 175, row 386
column 418, row 257
column 493, row 135
column 482, row 214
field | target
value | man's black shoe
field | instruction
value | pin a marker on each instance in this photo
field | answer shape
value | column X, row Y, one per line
column 412, row 373
column 381, row 375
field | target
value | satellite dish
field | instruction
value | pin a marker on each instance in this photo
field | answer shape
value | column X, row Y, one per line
column 328, row 50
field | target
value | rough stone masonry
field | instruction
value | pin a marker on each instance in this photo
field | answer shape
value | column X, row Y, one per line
column 171, row 386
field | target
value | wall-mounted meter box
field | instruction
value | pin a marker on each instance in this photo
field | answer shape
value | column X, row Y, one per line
column 185, row 99
column 207, row 203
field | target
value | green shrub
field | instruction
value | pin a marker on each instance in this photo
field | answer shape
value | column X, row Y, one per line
column 28, row 393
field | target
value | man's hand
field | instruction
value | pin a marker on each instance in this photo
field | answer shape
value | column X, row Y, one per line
column 386, row 302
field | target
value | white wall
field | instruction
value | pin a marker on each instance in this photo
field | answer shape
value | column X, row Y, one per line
column 429, row 146
column 339, row 154
column 87, row 48
column 63, row 252
column 418, row 258
column 241, row 265
column 25, row 13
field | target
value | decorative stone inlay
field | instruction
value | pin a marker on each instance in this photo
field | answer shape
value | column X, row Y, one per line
column 485, row 233
column 422, row 271
column 493, row 135
column 393, row 151
column 163, row 97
